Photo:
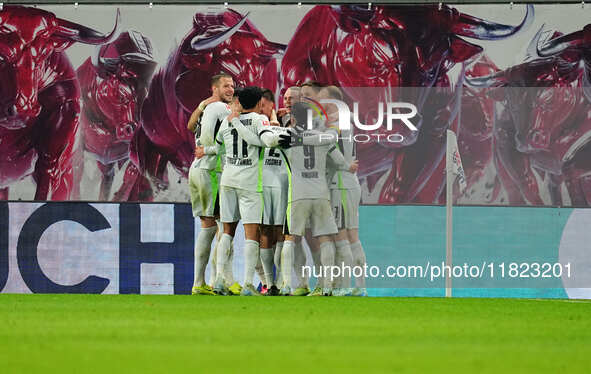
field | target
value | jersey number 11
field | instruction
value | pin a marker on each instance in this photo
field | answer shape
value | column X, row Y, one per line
column 234, row 133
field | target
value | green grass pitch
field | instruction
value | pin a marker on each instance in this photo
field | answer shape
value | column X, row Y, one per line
column 204, row 334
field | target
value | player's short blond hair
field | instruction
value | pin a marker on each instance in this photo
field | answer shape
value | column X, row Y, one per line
column 215, row 80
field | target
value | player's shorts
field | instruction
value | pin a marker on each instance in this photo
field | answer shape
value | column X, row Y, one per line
column 203, row 186
column 317, row 211
column 345, row 208
column 275, row 199
column 237, row 204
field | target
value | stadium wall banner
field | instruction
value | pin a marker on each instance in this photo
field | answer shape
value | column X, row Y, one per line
column 134, row 248
column 99, row 112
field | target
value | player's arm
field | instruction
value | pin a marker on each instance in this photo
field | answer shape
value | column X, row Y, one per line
column 274, row 120
column 194, row 119
column 270, row 138
column 339, row 160
column 246, row 134
column 263, row 138
column 214, row 149
column 200, row 151
column 196, row 115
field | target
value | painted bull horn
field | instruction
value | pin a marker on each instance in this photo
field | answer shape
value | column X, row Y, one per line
column 96, row 59
column 83, row 34
column 557, row 45
column 477, row 28
column 199, row 44
column 486, row 81
column 532, row 48
column 101, row 63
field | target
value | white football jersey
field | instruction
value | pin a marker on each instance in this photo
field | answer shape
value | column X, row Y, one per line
column 209, row 125
column 344, row 179
column 275, row 172
column 243, row 167
column 307, row 164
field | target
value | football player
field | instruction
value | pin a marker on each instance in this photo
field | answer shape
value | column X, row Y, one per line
column 243, row 133
column 203, row 174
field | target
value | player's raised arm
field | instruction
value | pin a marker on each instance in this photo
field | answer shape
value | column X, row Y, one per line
column 194, row 120
column 196, row 115
column 259, row 134
column 246, row 134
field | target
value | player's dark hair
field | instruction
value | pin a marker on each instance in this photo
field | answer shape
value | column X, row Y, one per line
column 249, row 97
column 215, row 80
column 268, row 94
column 237, row 91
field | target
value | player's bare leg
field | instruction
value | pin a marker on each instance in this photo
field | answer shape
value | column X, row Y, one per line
column 251, row 256
column 202, row 251
column 358, row 260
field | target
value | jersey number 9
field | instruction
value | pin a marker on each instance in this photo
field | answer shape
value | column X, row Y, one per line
column 309, row 161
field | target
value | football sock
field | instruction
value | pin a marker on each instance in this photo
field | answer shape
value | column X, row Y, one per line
column 260, row 270
column 327, row 254
column 251, row 255
column 358, row 260
column 277, row 261
column 267, row 257
column 317, row 267
column 202, row 249
column 344, row 260
column 223, row 255
column 287, row 261
column 299, row 261
column 213, row 257
column 228, row 268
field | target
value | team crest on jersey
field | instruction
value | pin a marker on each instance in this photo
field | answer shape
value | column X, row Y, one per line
column 266, row 123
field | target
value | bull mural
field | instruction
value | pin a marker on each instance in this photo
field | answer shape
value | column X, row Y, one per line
column 522, row 123
column 409, row 61
column 114, row 84
column 40, row 99
column 218, row 42
column 542, row 133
